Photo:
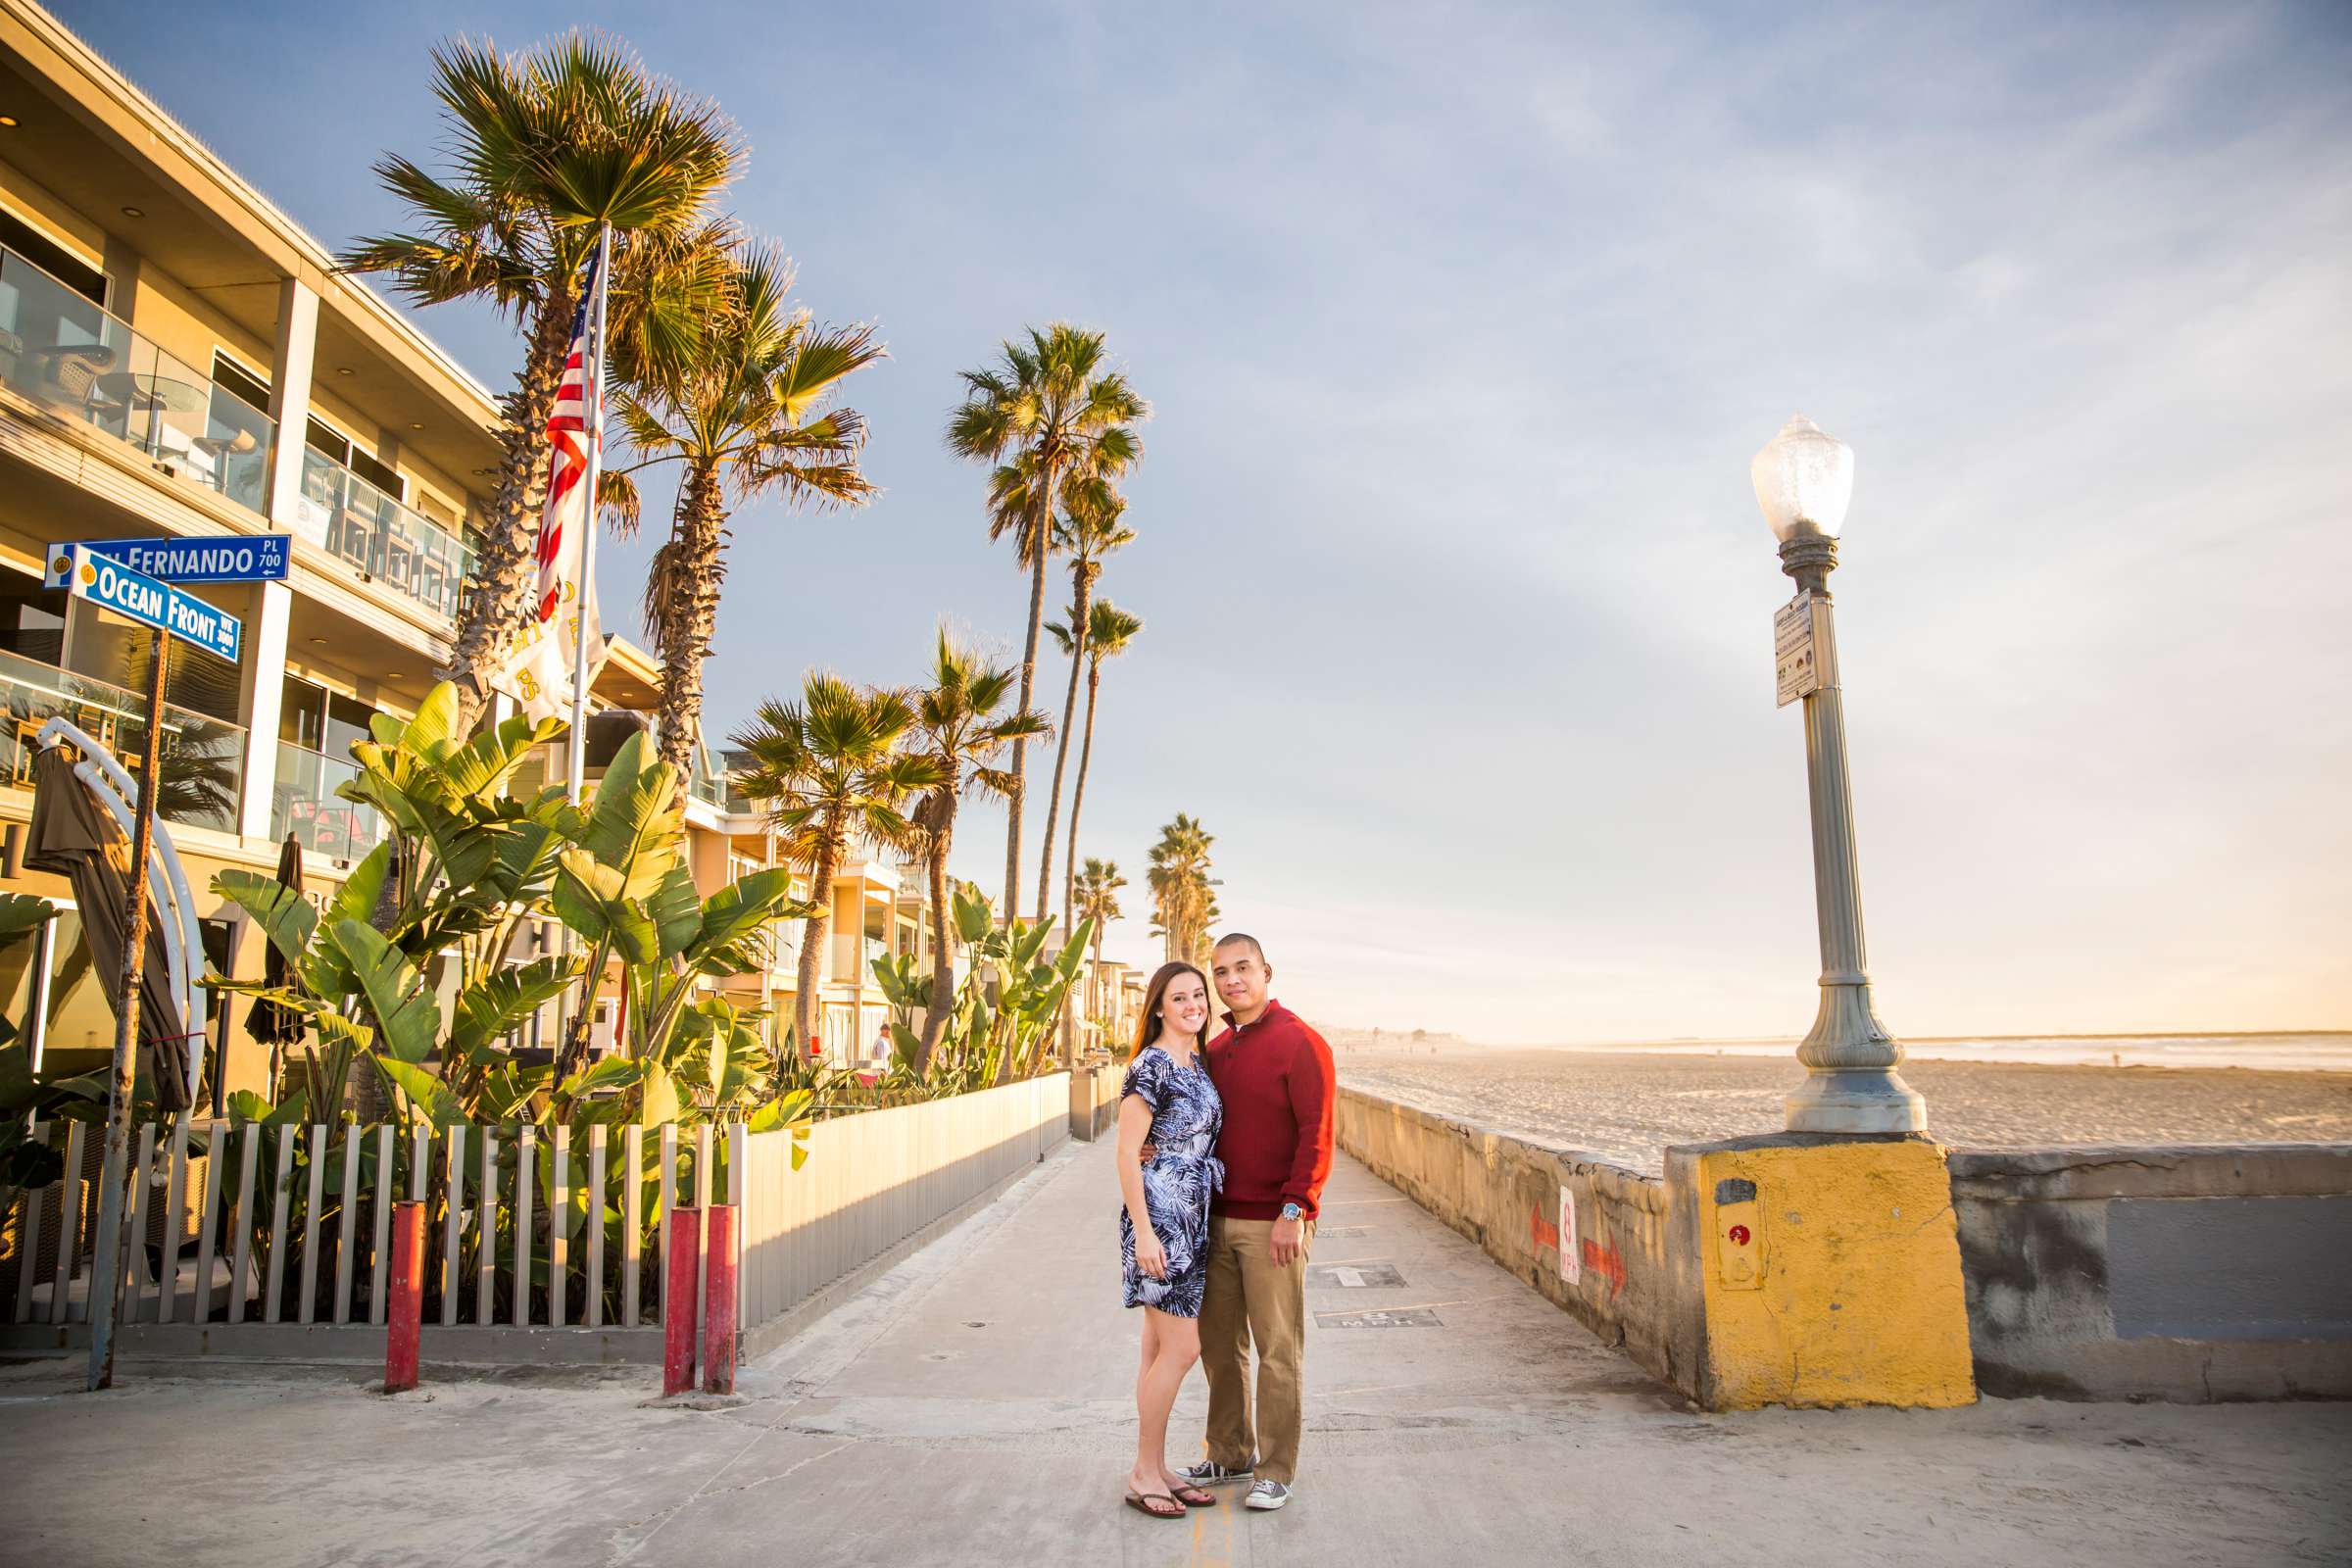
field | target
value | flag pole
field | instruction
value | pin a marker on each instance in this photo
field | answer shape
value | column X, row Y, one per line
column 575, row 758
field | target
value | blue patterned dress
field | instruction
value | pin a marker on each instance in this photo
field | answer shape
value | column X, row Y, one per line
column 1178, row 1181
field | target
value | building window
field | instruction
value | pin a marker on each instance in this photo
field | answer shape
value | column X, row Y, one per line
column 340, row 447
column 121, row 652
column 246, row 386
column 310, row 716
column 32, row 618
column 52, row 257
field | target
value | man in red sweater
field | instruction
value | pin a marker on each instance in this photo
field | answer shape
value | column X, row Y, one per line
column 1275, row 1076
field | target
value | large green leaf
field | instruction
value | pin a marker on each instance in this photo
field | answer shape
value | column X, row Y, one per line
column 284, row 916
column 244, row 1106
column 675, row 908
column 357, row 897
column 507, row 1092
column 500, row 1001
column 745, row 905
column 974, row 920
column 587, row 898
column 439, row 721
column 487, row 765
column 637, row 822
column 660, row 1102
column 427, row 1094
column 613, row 1072
column 408, row 1021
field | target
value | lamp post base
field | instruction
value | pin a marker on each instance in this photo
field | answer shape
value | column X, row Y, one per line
column 1871, row 1099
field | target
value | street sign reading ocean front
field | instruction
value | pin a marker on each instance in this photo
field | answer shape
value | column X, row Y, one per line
column 108, row 583
column 232, row 558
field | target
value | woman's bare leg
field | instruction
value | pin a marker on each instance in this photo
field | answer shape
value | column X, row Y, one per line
column 1178, row 1346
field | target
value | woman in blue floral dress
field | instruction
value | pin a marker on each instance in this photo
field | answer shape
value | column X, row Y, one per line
column 1168, row 1102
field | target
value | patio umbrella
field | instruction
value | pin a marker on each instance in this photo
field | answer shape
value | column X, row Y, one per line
column 72, row 838
column 274, row 1025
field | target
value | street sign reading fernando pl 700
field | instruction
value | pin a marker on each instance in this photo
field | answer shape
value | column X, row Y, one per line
column 107, row 582
column 228, row 558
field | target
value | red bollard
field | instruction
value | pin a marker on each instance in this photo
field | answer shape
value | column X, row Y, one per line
column 679, row 1307
column 718, row 1304
column 404, row 1297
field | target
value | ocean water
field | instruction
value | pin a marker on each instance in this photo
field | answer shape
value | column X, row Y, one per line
column 2317, row 1051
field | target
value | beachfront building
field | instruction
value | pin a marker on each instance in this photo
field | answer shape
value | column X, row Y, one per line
column 179, row 358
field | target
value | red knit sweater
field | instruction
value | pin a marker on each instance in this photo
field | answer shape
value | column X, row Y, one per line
column 1277, row 1085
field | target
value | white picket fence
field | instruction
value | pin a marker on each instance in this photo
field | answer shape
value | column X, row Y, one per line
column 275, row 1241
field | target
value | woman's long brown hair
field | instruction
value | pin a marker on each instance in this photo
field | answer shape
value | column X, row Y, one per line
column 1147, row 1030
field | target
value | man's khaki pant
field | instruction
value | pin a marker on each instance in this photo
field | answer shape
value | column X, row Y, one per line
column 1250, row 1299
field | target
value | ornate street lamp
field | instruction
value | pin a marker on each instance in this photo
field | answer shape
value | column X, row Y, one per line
column 1804, row 478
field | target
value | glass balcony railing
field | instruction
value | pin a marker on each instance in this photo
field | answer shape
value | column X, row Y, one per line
column 306, row 805
column 706, row 786
column 378, row 537
column 203, row 758
column 64, row 352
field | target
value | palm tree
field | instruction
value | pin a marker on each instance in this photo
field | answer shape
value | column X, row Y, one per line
column 1183, row 903
column 1098, row 896
column 962, row 734
column 743, row 420
column 1093, row 525
column 1108, row 631
column 548, row 148
column 831, row 773
column 1048, row 412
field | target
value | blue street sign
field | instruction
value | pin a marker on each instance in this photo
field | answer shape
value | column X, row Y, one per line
column 105, row 581
column 231, row 557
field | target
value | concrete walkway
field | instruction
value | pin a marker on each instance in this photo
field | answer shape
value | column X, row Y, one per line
column 972, row 1407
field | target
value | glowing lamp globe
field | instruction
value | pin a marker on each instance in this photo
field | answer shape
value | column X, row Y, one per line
column 1804, row 480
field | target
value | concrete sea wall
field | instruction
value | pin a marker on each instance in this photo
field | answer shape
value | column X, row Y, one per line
column 1784, row 1270
column 2190, row 1274
column 1590, row 1236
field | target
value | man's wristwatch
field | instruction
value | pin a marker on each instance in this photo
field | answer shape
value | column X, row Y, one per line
column 1292, row 1211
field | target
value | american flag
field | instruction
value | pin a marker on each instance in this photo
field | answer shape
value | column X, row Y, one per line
column 573, row 427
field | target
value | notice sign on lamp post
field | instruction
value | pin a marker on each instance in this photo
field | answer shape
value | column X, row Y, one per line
column 106, row 581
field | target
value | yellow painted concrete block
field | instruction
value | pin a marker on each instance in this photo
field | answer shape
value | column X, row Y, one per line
column 1832, row 1276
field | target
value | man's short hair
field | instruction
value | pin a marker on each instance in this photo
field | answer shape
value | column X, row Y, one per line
column 1232, row 937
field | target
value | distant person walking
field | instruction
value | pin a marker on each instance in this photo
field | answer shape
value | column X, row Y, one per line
column 1275, row 1077
column 1168, row 1102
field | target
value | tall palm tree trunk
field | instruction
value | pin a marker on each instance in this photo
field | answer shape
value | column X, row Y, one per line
column 943, row 956
column 805, row 1003
column 1083, row 591
column 689, row 603
column 1070, row 860
column 506, row 557
column 1014, row 796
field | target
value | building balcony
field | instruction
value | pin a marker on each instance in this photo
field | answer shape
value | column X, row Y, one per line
column 378, row 537
column 304, row 803
column 62, row 352
column 203, row 758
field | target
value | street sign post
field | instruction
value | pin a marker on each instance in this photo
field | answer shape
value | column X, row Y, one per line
column 228, row 558
column 106, row 581
column 91, row 572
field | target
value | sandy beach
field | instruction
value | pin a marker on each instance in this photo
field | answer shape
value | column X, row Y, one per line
column 1627, row 1106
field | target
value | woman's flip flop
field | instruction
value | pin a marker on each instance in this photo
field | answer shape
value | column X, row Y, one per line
column 1141, row 1502
column 1194, row 1498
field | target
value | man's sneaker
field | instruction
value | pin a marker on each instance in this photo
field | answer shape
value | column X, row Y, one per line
column 1207, row 1473
column 1267, row 1494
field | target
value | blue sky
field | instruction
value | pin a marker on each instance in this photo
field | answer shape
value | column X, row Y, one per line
column 1461, row 324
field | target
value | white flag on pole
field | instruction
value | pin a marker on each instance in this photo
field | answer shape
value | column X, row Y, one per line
column 564, row 608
